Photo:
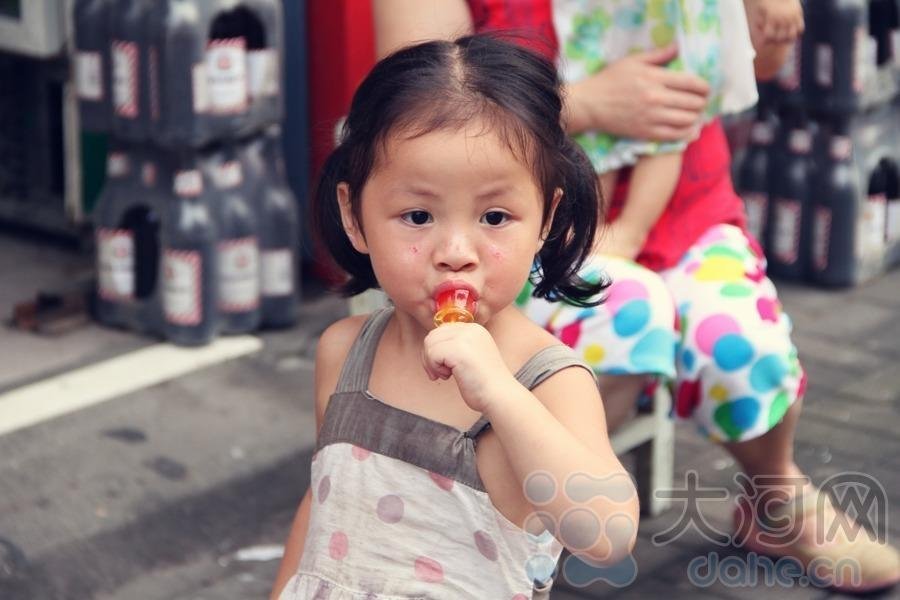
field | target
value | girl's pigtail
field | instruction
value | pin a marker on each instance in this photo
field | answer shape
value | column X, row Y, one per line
column 571, row 237
column 326, row 221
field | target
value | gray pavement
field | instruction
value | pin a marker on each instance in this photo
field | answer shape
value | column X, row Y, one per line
column 184, row 490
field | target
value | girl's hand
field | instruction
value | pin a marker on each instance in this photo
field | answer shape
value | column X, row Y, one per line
column 468, row 353
column 637, row 97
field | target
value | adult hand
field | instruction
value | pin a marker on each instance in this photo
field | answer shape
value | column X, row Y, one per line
column 637, row 97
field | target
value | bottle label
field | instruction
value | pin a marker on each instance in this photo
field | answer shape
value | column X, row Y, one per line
column 188, row 183
column 786, row 230
column 841, row 148
column 789, row 74
column 182, row 287
column 860, row 59
column 89, row 75
column 238, row 275
column 892, row 226
column 229, row 175
column 824, row 65
column 873, row 224
column 116, row 164
column 756, row 204
column 148, row 174
column 226, row 71
column 895, row 46
column 200, row 88
column 115, row 264
column 821, row 238
column 262, row 73
column 125, row 78
column 277, row 272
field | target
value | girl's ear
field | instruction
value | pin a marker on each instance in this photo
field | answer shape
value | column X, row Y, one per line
column 348, row 219
column 545, row 231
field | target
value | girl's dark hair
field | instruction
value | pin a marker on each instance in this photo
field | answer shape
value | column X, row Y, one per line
column 443, row 85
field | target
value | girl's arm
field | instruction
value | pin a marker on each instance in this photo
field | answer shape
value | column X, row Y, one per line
column 334, row 344
column 399, row 23
column 774, row 27
column 558, row 429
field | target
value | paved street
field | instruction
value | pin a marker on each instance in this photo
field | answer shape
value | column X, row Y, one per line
column 184, row 489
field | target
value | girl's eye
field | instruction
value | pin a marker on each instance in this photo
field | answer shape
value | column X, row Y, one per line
column 417, row 217
column 494, row 218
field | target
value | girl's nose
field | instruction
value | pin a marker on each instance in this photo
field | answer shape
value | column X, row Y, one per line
column 456, row 253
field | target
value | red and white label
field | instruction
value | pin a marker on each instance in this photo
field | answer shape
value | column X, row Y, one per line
column 115, row 263
column 824, row 65
column 786, row 230
column 226, row 73
column 125, row 78
column 116, row 164
column 229, row 174
column 821, row 238
column 182, row 285
column 239, row 274
column 262, row 73
column 756, row 205
column 789, row 75
column 89, row 75
column 188, row 183
column 874, row 218
column 277, row 272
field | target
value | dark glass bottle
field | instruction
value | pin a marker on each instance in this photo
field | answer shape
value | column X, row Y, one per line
column 189, row 259
column 789, row 221
column 753, row 178
column 238, row 246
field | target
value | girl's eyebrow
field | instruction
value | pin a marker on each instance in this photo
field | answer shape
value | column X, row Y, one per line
column 494, row 192
column 419, row 191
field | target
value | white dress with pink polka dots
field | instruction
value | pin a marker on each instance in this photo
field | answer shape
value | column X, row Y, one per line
column 398, row 509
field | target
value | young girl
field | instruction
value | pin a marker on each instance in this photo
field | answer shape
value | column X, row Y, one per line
column 456, row 461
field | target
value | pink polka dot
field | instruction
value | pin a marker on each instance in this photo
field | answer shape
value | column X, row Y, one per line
column 485, row 545
column 338, row 545
column 570, row 334
column 390, row 508
column 767, row 309
column 520, row 597
column 625, row 290
column 324, row 488
column 445, row 483
column 429, row 570
column 712, row 328
column 360, row 453
column 692, row 266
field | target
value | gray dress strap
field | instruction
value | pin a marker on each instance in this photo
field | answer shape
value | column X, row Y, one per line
column 358, row 365
column 536, row 370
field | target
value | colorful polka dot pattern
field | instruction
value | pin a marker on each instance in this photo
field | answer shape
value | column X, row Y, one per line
column 736, row 371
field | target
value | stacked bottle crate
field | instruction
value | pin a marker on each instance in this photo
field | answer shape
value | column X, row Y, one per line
column 819, row 175
column 197, row 231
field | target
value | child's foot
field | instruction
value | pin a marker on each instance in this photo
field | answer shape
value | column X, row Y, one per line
column 834, row 550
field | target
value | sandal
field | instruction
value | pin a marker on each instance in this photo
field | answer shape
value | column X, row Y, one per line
column 846, row 557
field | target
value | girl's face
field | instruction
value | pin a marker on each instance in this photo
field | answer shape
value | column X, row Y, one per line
column 448, row 207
